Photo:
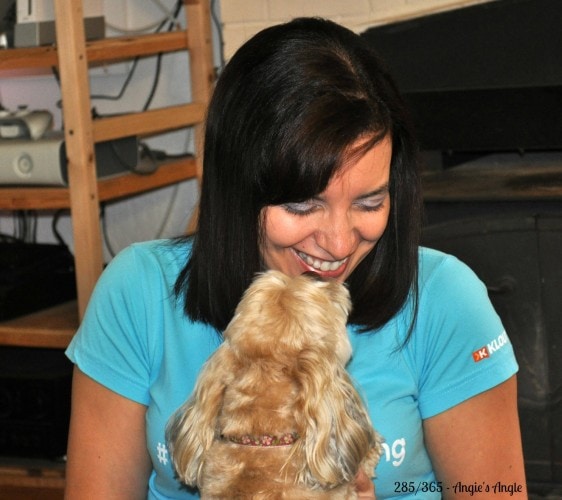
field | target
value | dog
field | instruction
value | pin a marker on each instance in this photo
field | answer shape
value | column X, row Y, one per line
column 274, row 413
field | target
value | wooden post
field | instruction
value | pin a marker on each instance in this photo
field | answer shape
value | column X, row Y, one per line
column 82, row 177
column 202, row 72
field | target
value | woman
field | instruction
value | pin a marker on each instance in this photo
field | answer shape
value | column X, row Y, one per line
column 310, row 164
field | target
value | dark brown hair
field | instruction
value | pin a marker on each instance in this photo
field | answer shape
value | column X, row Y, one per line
column 285, row 110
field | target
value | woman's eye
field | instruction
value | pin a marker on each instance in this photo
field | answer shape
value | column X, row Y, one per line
column 371, row 205
column 299, row 208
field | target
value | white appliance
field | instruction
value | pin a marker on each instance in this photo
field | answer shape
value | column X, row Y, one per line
column 43, row 162
column 35, row 22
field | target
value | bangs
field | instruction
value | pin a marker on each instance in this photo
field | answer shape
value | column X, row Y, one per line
column 308, row 154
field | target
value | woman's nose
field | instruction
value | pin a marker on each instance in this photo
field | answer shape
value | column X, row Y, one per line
column 338, row 236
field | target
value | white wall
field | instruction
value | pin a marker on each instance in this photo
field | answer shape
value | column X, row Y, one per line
column 161, row 213
column 243, row 18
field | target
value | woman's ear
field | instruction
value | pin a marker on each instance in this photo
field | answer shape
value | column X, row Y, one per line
column 337, row 432
column 191, row 430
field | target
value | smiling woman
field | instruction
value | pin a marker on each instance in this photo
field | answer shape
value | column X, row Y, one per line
column 310, row 165
column 332, row 233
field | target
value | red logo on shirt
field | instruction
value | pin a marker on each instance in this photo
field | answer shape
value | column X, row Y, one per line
column 480, row 354
column 486, row 351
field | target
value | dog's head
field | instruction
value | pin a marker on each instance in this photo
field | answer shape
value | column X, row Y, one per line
column 279, row 315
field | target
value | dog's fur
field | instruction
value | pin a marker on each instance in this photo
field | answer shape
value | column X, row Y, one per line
column 280, row 370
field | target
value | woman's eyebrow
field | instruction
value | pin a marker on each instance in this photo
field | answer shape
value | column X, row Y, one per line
column 383, row 190
column 377, row 192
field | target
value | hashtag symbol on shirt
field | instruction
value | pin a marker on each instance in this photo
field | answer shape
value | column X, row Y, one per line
column 162, row 453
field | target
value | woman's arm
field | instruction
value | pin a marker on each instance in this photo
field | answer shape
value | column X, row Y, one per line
column 477, row 444
column 107, row 453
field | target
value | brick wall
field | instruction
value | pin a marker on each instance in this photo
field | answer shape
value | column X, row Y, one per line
column 243, row 18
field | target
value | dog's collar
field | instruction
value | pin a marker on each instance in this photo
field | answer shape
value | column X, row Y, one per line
column 264, row 440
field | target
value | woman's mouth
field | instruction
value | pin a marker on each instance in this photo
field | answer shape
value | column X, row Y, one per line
column 323, row 266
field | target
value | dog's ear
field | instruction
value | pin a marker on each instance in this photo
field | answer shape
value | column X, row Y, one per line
column 338, row 433
column 191, row 430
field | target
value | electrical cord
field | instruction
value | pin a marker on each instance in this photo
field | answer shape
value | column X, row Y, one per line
column 216, row 22
column 171, row 18
column 25, row 225
column 54, row 226
column 103, row 221
column 172, row 24
column 123, row 87
column 169, row 15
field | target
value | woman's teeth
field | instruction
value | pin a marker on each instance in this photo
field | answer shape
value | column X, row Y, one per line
column 321, row 265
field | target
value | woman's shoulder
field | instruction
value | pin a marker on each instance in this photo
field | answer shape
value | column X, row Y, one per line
column 143, row 266
column 159, row 250
column 163, row 254
column 439, row 269
column 450, row 288
column 431, row 260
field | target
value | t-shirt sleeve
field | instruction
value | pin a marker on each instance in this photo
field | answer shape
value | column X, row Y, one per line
column 461, row 347
column 111, row 345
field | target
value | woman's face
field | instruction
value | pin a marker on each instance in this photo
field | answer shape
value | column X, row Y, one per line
column 331, row 233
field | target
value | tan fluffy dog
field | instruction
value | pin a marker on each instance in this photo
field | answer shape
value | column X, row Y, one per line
column 274, row 413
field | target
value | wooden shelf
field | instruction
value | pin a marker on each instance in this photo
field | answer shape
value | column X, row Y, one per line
column 98, row 51
column 127, row 47
column 494, row 184
column 54, row 198
column 32, row 493
column 148, row 122
column 53, row 328
column 169, row 173
column 24, row 59
column 31, row 479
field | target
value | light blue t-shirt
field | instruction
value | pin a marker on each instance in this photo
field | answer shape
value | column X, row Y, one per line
column 136, row 340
